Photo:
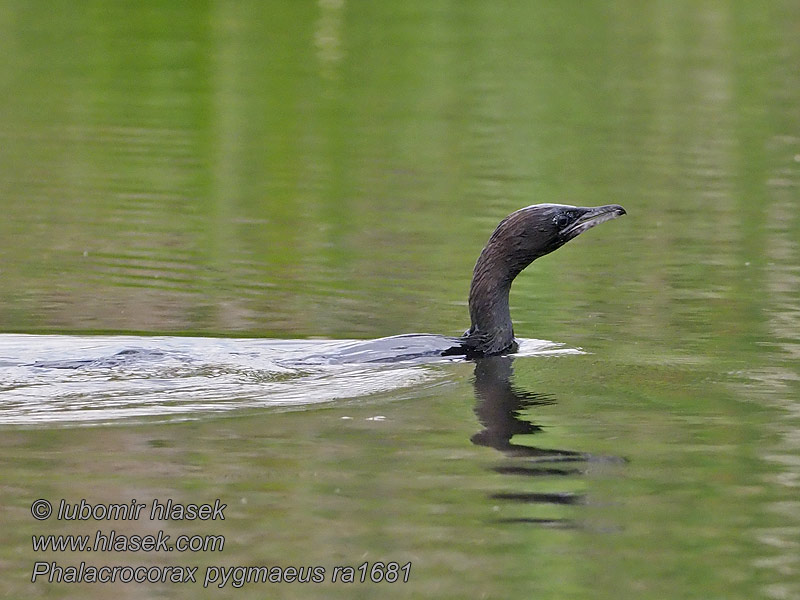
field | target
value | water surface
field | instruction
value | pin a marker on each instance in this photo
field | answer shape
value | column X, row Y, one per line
column 68, row 379
column 226, row 183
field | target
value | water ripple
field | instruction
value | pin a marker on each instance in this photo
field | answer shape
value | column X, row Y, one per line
column 72, row 380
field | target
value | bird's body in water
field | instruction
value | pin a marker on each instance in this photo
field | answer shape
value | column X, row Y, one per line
column 522, row 237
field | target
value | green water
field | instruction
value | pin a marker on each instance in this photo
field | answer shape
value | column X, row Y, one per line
column 332, row 169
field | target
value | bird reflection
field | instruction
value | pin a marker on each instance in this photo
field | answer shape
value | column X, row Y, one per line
column 500, row 407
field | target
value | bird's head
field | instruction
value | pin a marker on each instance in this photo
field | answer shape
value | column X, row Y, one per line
column 536, row 230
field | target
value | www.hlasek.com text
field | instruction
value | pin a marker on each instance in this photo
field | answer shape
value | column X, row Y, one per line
column 112, row 541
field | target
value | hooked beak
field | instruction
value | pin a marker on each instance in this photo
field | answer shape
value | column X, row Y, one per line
column 593, row 216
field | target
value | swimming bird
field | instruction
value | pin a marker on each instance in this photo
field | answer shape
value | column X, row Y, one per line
column 519, row 239
column 522, row 237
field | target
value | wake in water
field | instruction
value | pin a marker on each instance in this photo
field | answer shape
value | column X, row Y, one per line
column 73, row 379
column 58, row 379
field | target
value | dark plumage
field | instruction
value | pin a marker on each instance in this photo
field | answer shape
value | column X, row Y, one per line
column 520, row 238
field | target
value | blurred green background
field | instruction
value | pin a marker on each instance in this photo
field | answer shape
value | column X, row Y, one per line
column 333, row 168
column 296, row 169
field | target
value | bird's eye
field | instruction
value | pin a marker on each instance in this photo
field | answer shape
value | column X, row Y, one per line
column 561, row 220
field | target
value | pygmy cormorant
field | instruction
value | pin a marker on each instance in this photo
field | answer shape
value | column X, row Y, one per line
column 520, row 238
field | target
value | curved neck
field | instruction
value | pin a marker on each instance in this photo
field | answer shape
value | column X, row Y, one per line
column 491, row 331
